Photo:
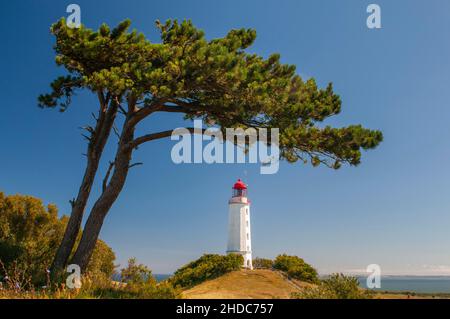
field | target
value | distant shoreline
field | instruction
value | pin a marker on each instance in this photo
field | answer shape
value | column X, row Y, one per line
column 429, row 285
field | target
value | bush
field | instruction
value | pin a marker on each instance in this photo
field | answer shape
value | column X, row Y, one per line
column 29, row 237
column 296, row 268
column 262, row 263
column 337, row 286
column 209, row 266
column 136, row 274
column 140, row 285
column 102, row 260
column 148, row 290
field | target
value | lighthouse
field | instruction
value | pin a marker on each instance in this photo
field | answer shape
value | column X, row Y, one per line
column 239, row 235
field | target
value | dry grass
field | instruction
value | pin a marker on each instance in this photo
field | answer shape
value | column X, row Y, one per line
column 244, row 284
column 267, row 284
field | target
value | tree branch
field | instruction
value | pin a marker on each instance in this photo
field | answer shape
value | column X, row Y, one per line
column 150, row 137
column 116, row 130
column 172, row 109
column 155, row 136
column 122, row 110
column 87, row 137
column 108, row 172
column 88, row 128
column 135, row 164
column 148, row 109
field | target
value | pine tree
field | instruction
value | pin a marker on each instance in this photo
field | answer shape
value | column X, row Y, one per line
column 215, row 80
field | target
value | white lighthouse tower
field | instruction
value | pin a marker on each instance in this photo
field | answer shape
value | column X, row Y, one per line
column 239, row 236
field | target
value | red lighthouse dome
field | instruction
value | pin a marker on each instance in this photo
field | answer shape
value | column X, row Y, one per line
column 239, row 185
column 239, row 189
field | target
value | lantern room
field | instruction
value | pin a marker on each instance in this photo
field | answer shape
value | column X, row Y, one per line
column 239, row 189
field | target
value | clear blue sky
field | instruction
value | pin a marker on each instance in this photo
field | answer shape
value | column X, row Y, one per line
column 393, row 210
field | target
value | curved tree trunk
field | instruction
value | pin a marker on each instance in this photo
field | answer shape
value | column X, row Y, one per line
column 105, row 201
column 74, row 224
column 95, row 149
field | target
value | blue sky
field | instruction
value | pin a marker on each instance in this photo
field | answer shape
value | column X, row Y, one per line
column 392, row 210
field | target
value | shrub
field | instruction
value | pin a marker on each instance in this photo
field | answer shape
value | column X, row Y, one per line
column 337, row 286
column 304, row 273
column 102, row 260
column 29, row 237
column 136, row 274
column 296, row 268
column 209, row 266
column 148, row 290
column 138, row 283
column 262, row 263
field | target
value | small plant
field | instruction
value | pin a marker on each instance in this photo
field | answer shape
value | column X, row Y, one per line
column 136, row 274
column 337, row 286
column 209, row 266
column 14, row 278
column 296, row 268
column 262, row 263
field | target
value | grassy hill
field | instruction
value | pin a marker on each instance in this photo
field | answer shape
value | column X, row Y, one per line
column 267, row 284
column 246, row 284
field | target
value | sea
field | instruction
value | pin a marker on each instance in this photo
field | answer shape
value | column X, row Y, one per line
column 161, row 277
column 417, row 284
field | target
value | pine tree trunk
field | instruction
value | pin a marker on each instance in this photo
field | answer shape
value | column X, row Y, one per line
column 95, row 150
column 74, row 224
column 105, row 201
